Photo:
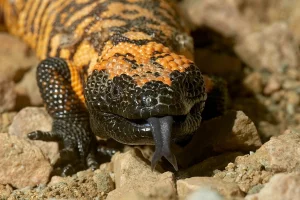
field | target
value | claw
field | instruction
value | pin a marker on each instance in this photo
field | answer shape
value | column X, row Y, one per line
column 43, row 135
column 67, row 170
column 161, row 131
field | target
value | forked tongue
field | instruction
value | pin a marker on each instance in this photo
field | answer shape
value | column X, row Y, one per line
column 161, row 131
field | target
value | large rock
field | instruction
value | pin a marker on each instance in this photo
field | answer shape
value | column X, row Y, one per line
column 281, row 186
column 233, row 131
column 28, row 93
column 280, row 154
column 15, row 57
column 31, row 119
column 133, row 174
column 208, row 166
column 5, row 191
column 221, row 16
column 272, row 48
column 189, row 185
column 7, row 94
column 22, row 164
column 6, row 120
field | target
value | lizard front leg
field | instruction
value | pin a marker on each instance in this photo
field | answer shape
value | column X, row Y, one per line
column 70, row 117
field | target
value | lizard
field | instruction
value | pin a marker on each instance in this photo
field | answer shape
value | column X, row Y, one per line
column 120, row 69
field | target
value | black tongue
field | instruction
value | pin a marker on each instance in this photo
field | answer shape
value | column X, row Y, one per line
column 161, row 131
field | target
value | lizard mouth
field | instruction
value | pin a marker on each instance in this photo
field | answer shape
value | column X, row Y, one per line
column 154, row 130
column 160, row 131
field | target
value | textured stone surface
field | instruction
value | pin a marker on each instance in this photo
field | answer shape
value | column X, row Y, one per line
column 281, row 186
column 272, row 48
column 28, row 93
column 31, row 119
column 15, row 57
column 83, row 185
column 6, row 120
column 5, row 191
column 133, row 174
column 280, row 154
column 233, row 131
column 7, row 94
column 221, row 16
column 22, row 164
column 208, row 166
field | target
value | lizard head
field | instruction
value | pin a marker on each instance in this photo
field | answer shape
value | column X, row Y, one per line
column 145, row 95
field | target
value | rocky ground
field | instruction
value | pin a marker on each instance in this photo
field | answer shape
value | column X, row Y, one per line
column 252, row 152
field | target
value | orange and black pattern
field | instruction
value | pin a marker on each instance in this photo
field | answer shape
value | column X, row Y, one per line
column 92, row 34
column 117, row 68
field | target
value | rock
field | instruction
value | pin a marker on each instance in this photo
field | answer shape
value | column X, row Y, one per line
column 189, row 185
column 281, row 186
column 205, row 193
column 83, row 185
column 208, row 166
column 272, row 86
column 291, row 85
column 31, row 119
column 28, row 93
column 22, row 164
column 133, row 174
column 57, row 179
column 254, row 82
column 261, row 13
column 280, row 154
column 243, row 135
column 5, row 191
column 272, row 49
column 15, row 57
column 245, row 172
column 5, row 121
column 221, row 16
column 104, row 181
column 233, row 131
column 7, row 94
column 293, row 98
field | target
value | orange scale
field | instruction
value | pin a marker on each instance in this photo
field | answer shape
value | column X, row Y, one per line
column 178, row 61
column 175, row 68
column 175, row 56
column 104, row 62
column 158, row 48
column 142, row 82
column 184, row 60
column 164, row 63
column 150, row 50
column 180, row 68
column 167, row 81
column 173, row 64
column 165, row 49
column 168, row 58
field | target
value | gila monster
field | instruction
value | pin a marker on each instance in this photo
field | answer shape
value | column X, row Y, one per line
column 118, row 69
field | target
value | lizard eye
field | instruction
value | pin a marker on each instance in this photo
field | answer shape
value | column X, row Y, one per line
column 149, row 99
